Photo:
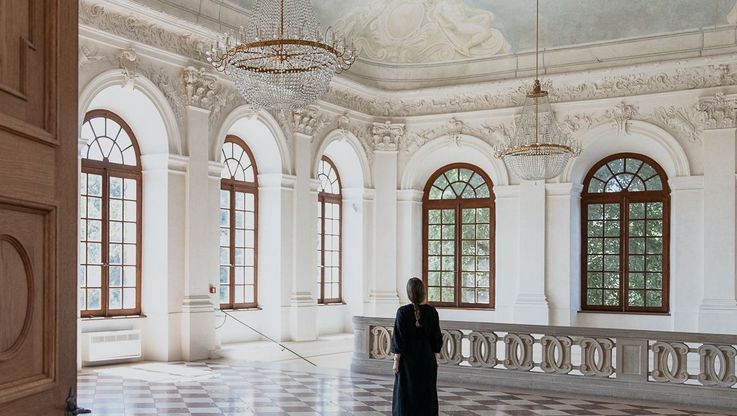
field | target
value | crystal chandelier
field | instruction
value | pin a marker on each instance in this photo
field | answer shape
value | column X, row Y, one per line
column 281, row 60
column 539, row 149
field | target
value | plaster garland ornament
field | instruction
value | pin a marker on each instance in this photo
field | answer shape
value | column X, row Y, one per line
column 280, row 60
column 454, row 129
column 387, row 136
column 684, row 121
column 718, row 111
column 621, row 115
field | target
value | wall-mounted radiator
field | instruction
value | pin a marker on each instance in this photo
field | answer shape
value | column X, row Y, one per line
column 111, row 345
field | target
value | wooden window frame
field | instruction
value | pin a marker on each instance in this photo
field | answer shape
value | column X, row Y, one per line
column 233, row 187
column 324, row 198
column 458, row 205
column 106, row 170
column 623, row 199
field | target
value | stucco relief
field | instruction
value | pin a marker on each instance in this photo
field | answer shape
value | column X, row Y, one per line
column 137, row 29
column 412, row 31
column 505, row 94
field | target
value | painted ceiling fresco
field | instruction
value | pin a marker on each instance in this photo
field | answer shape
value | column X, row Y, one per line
column 410, row 31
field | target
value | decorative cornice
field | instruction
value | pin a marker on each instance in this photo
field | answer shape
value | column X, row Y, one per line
column 386, row 136
column 509, row 93
column 718, row 111
column 133, row 27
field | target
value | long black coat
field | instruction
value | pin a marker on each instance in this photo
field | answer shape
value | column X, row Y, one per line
column 415, row 386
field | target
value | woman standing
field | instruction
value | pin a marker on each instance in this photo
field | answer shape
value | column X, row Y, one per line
column 415, row 342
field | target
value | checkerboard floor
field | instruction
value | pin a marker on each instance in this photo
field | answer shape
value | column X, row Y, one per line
column 255, row 389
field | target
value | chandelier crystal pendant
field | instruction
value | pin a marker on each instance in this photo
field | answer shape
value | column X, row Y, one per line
column 539, row 149
column 281, row 60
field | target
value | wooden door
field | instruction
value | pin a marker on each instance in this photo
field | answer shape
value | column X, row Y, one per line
column 38, row 205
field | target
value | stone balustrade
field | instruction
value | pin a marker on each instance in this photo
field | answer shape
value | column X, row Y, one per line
column 667, row 367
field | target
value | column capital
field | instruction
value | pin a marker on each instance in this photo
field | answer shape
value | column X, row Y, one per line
column 308, row 121
column 718, row 111
column 199, row 88
column 386, row 136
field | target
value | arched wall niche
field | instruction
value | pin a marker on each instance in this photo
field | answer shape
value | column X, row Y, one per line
column 442, row 151
column 346, row 151
column 262, row 134
column 643, row 138
column 144, row 108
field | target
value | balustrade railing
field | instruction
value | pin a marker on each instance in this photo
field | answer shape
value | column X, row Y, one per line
column 672, row 367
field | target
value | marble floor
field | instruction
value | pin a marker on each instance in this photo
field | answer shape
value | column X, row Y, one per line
column 230, row 388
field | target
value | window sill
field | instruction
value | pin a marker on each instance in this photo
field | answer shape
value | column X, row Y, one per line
column 257, row 308
column 664, row 314
column 465, row 309
column 332, row 304
column 106, row 318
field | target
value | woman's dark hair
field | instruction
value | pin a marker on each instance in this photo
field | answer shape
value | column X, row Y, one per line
column 416, row 291
column 416, row 295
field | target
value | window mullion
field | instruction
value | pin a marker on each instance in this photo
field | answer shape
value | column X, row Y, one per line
column 457, row 252
column 104, row 280
column 321, row 201
column 231, row 275
column 624, row 250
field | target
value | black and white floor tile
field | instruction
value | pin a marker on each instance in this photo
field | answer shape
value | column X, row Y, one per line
column 254, row 389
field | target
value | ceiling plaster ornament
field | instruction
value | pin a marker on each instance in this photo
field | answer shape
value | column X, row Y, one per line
column 416, row 31
column 200, row 87
column 387, row 136
column 718, row 111
column 135, row 28
column 621, row 115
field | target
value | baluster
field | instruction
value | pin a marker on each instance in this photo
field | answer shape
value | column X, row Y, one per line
column 561, row 345
column 677, row 372
column 518, row 352
column 725, row 375
column 596, row 357
column 483, row 349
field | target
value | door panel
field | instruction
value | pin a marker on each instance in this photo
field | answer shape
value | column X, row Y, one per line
column 38, row 205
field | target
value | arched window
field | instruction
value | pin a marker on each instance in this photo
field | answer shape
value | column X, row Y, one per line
column 329, row 229
column 110, row 218
column 238, row 226
column 458, row 237
column 625, row 221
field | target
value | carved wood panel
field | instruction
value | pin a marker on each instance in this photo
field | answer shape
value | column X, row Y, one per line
column 26, row 66
column 27, row 298
column 38, row 205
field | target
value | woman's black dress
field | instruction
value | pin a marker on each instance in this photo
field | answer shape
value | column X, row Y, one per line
column 415, row 386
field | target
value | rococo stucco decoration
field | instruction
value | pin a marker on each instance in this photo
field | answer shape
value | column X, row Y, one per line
column 412, row 31
column 718, row 111
column 386, row 136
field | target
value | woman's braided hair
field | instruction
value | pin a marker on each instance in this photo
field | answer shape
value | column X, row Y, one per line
column 416, row 295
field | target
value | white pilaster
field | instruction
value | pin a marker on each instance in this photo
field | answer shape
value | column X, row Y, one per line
column 718, row 310
column 686, row 239
column 409, row 238
column 302, row 302
column 531, row 304
column 383, row 298
column 201, row 265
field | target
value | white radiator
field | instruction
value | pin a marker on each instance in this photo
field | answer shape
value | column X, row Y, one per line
column 111, row 345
